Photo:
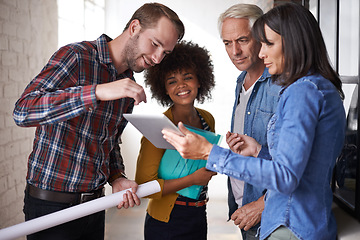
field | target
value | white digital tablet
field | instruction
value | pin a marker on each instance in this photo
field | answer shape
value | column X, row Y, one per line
column 151, row 126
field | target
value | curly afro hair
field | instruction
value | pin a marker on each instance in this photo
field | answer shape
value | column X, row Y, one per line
column 186, row 55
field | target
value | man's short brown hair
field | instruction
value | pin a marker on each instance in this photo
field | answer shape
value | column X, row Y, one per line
column 150, row 13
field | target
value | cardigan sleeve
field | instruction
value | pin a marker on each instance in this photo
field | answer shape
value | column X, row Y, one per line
column 148, row 164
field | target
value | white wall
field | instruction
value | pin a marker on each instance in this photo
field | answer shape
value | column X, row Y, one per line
column 200, row 20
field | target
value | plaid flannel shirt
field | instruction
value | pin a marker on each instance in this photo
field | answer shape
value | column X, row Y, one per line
column 76, row 145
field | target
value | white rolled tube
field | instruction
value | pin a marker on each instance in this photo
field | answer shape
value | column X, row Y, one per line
column 75, row 212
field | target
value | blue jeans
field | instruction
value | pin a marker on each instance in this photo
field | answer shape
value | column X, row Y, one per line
column 87, row 228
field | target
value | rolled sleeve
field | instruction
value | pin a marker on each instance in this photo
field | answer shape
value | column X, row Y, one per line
column 88, row 97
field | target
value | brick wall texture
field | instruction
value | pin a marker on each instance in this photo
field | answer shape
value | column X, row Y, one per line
column 28, row 37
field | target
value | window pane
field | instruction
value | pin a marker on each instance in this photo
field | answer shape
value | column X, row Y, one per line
column 349, row 38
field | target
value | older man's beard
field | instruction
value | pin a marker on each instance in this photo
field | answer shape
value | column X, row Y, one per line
column 131, row 52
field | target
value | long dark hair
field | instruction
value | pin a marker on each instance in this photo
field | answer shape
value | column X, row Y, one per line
column 303, row 44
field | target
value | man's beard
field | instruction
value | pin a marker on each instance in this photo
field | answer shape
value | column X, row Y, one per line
column 131, row 52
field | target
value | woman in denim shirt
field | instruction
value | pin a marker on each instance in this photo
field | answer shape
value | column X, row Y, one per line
column 305, row 135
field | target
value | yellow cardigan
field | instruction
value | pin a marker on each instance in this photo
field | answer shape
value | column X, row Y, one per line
column 148, row 162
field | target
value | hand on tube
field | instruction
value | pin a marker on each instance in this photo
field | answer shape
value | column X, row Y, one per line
column 130, row 199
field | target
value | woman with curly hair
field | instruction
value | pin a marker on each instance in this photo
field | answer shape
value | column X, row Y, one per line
column 182, row 77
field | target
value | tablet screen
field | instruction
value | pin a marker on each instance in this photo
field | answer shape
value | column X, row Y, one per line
column 151, row 126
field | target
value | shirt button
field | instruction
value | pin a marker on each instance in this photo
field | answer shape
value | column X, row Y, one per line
column 248, row 113
column 214, row 166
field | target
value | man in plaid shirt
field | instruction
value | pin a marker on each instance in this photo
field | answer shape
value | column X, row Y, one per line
column 76, row 104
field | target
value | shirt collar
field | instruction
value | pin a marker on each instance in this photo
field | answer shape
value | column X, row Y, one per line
column 103, row 48
column 104, row 55
column 262, row 78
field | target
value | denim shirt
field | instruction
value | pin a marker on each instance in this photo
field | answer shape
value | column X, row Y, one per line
column 260, row 108
column 305, row 136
